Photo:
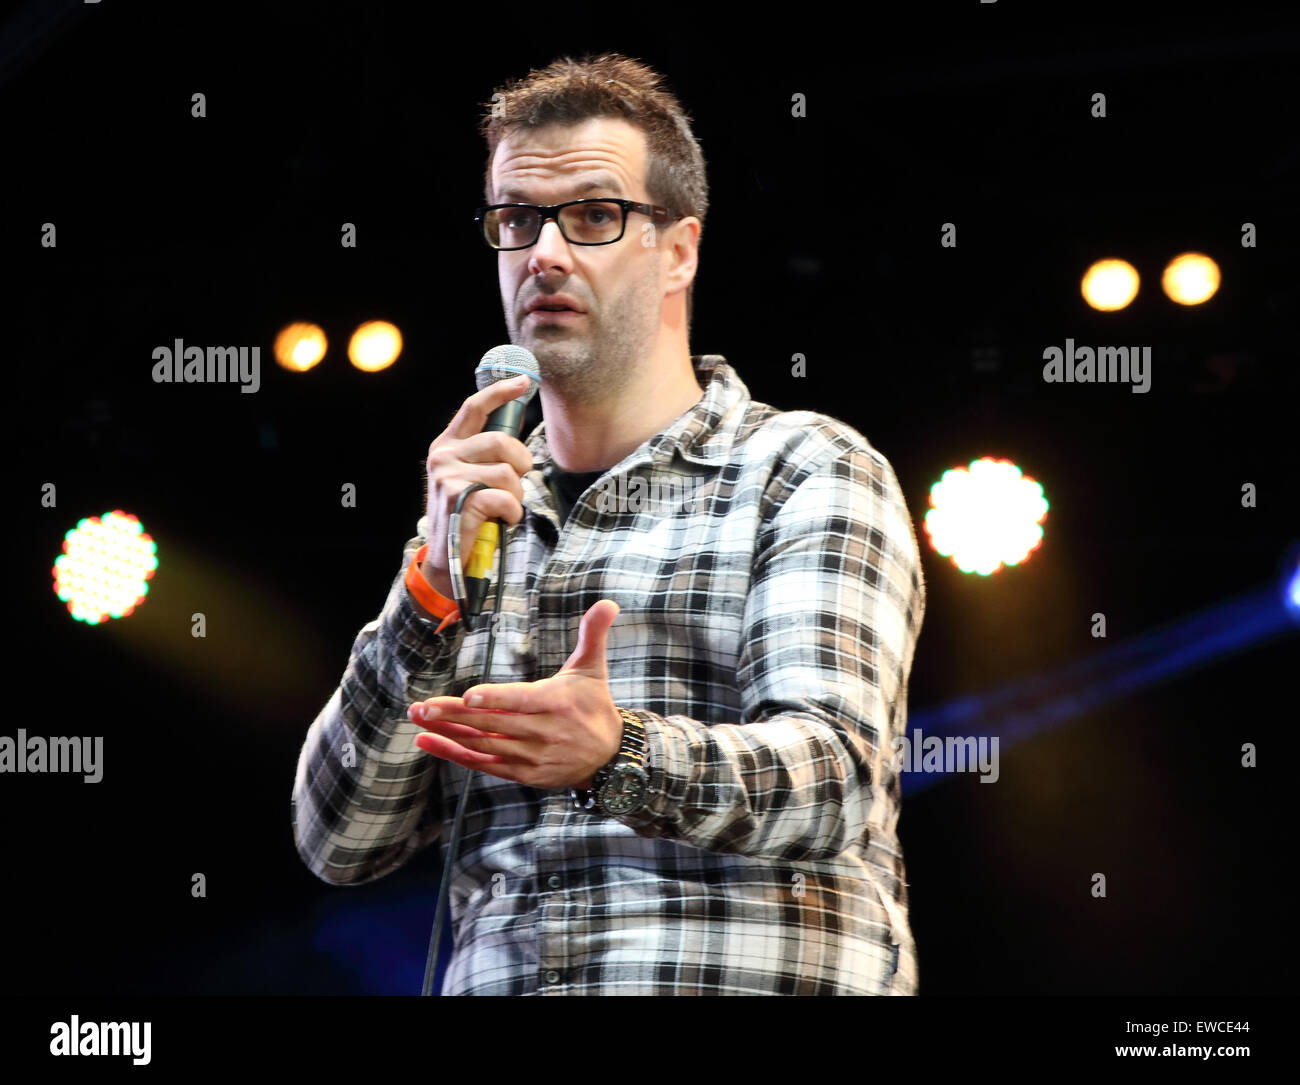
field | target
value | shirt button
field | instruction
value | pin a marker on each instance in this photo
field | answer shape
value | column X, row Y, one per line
column 552, row 976
column 554, row 881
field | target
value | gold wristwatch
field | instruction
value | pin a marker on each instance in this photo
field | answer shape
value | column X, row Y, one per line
column 621, row 786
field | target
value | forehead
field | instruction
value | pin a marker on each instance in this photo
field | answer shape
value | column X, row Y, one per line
column 601, row 152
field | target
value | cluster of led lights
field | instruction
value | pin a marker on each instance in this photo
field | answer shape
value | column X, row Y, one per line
column 105, row 567
column 985, row 516
column 373, row 346
column 1190, row 278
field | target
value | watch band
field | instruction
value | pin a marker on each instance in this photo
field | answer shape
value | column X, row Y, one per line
column 632, row 749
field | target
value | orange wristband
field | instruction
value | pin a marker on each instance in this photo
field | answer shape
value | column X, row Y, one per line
column 429, row 597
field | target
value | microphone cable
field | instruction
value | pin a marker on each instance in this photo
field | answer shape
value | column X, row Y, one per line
column 453, row 544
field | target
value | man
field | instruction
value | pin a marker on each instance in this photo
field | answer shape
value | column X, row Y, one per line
column 680, row 763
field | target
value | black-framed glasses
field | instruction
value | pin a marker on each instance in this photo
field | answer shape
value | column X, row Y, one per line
column 599, row 221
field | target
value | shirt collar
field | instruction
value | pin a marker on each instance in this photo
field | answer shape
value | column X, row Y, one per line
column 703, row 434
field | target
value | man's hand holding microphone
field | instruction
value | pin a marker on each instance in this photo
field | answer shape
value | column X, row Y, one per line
column 464, row 453
column 554, row 733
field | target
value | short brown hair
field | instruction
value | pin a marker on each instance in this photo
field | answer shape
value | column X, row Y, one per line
column 570, row 91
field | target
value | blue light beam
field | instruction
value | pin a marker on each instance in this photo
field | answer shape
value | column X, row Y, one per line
column 1021, row 709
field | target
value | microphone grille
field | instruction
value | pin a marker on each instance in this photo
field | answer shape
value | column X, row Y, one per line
column 506, row 362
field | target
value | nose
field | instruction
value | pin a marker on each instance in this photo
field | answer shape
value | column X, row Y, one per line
column 550, row 250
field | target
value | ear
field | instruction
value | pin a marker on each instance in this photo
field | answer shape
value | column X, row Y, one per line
column 684, row 248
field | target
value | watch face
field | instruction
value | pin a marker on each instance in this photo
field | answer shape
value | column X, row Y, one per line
column 624, row 789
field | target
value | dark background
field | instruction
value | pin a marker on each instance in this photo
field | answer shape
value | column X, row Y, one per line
column 823, row 239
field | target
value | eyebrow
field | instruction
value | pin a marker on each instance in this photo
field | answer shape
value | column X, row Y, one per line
column 605, row 182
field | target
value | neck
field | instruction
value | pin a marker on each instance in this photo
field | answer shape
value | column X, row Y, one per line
column 594, row 436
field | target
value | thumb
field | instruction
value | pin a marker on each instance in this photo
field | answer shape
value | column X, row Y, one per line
column 589, row 656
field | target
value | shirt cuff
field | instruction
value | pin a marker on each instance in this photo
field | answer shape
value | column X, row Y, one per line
column 427, row 596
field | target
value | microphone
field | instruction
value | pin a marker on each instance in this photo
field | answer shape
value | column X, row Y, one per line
column 501, row 363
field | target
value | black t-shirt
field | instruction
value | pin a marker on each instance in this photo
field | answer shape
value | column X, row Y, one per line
column 568, row 486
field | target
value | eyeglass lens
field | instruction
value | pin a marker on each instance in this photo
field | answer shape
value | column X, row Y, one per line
column 581, row 223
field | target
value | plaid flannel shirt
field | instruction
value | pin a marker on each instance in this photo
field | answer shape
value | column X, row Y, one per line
column 771, row 597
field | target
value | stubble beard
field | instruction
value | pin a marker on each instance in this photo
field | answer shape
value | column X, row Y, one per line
column 595, row 360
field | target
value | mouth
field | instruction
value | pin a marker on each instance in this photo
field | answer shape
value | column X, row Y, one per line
column 559, row 315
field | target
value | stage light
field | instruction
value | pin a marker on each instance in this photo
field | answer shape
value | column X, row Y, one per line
column 300, row 346
column 1291, row 594
column 986, row 516
column 375, row 345
column 1191, row 278
column 1109, row 285
column 105, row 567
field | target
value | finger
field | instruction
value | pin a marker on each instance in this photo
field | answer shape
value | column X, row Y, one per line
column 453, row 728
column 449, row 459
column 520, row 698
column 469, row 738
column 486, row 722
column 466, row 732
column 500, row 478
column 458, row 755
column 496, row 447
column 473, row 413
column 492, row 505
column 484, row 505
column 494, row 475
column 589, row 655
